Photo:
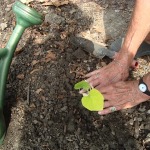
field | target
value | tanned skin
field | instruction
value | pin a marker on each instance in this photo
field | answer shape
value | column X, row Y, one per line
column 110, row 80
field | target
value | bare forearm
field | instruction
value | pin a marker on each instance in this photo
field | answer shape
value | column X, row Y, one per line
column 138, row 29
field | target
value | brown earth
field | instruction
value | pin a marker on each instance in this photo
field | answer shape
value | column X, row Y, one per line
column 42, row 110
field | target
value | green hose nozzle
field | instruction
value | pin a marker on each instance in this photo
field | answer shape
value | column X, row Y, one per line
column 25, row 17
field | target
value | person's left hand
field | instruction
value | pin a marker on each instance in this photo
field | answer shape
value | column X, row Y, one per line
column 112, row 73
column 121, row 95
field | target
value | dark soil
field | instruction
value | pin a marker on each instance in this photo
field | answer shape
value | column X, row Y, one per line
column 43, row 111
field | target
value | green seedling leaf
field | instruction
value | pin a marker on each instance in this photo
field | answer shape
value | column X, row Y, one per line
column 82, row 85
column 94, row 101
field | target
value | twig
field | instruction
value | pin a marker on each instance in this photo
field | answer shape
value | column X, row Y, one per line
column 28, row 94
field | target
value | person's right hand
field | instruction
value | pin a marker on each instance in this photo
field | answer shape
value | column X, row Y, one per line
column 112, row 73
column 122, row 95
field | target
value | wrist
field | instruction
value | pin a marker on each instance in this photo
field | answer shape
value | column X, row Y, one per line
column 144, row 86
column 146, row 79
column 122, row 70
column 125, row 58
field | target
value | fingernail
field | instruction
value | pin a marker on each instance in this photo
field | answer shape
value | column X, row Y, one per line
column 136, row 64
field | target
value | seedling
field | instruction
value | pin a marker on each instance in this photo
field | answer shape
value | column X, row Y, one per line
column 92, row 99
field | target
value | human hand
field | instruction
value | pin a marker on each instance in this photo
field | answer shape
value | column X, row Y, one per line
column 121, row 95
column 112, row 73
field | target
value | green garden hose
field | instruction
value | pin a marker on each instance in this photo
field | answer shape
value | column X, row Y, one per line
column 25, row 17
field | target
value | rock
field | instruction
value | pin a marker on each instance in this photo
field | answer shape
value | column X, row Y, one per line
column 20, row 76
column 50, row 122
column 130, row 111
column 131, row 122
column 26, row 1
column 7, row 9
column 32, row 105
column 139, row 119
column 35, row 121
column 129, row 143
column 148, row 112
column 148, row 135
column 147, row 142
column 142, row 109
column 136, row 129
column 41, row 116
column 88, row 68
column 64, row 108
column 117, row 10
column 3, row 26
column 72, row 11
column 53, row 18
column 147, row 126
column 142, row 127
column 103, row 64
column 71, row 126
column 79, row 54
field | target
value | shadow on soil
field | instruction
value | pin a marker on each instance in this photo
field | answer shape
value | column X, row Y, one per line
column 54, row 118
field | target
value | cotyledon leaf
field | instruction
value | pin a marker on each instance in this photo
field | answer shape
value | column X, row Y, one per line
column 94, row 101
column 82, row 85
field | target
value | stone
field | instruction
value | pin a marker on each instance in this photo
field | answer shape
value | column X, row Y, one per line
column 142, row 109
column 71, row 126
column 64, row 108
column 131, row 121
column 148, row 112
column 3, row 26
column 53, row 18
column 139, row 119
column 35, row 121
column 80, row 54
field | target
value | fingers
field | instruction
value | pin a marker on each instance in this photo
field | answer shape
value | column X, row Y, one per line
column 107, row 104
column 94, row 82
column 117, row 99
column 99, row 81
column 92, row 73
column 110, row 103
column 109, row 109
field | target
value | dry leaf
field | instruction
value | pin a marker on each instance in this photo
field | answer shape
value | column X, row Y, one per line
column 60, row 44
column 50, row 56
column 20, row 76
column 34, row 62
column 43, row 98
column 98, row 29
column 103, row 64
column 37, row 53
column 39, row 40
column 38, row 91
column 32, row 105
column 35, row 70
column 18, row 51
column 63, row 35
column 60, row 96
